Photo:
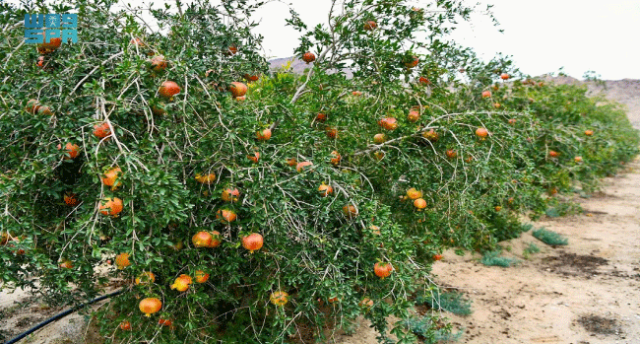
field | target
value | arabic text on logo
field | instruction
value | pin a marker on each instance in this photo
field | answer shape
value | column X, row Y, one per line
column 63, row 26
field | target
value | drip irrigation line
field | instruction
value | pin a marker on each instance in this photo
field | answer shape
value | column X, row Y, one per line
column 60, row 316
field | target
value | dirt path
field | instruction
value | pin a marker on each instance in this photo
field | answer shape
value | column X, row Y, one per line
column 586, row 292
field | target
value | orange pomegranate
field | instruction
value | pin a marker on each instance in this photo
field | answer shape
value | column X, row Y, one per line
column 336, row 158
column 482, row 132
column 101, row 130
column 292, row 162
column 279, row 298
column 111, row 206
column 66, row 264
column 202, row 239
column 201, row 276
column 437, row 257
column 40, row 62
column 70, row 199
column 137, row 42
column 168, row 89
column 125, row 325
column 366, row 303
column 308, row 57
column 350, row 211
column 215, row 239
column 321, row 118
column 325, row 190
column 250, row 78
column 122, row 261
column 110, row 178
column 264, row 135
column 414, row 194
column 230, row 195
column 158, row 63
column 182, row 283
column 332, row 133
column 150, row 305
column 413, row 116
column 379, row 138
column 382, row 270
column 356, row 93
column 498, row 208
column 252, row 242
column 588, row 132
column 504, row 76
column 238, row 89
column 512, row 121
column 45, row 111
column 420, row 203
column 165, row 322
column 414, row 62
column 370, row 25
column 72, row 150
column 378, row 155
column 451, row 153
column 389, row 123
column 232, row 50
column 32, row 106
column 496, row 105
column 431, row 135
column 255, row 157
column 486, row 94
column 554, row 154
column 578, row 159
column 424, row 80
column 205, row 179
column 226, row 216
column 146, row 277
column 301, row 166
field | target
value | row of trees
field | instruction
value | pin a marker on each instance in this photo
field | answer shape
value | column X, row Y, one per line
column 235, row 204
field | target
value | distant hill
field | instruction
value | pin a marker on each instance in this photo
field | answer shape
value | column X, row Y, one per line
column 625, row 91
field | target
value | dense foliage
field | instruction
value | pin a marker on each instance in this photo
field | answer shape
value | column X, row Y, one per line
column 299, row 250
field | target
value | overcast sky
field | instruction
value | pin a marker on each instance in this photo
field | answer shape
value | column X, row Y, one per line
column 541, row 35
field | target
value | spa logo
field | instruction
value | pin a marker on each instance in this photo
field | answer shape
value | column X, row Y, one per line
column 63, row 26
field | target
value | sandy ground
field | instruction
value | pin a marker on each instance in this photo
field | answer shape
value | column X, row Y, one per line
column 546, row 298
column 585, row 293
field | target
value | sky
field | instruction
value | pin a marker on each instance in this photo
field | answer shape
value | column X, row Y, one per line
column 541, row 35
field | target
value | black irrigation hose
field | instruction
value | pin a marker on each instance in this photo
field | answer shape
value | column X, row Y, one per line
column 59, row 316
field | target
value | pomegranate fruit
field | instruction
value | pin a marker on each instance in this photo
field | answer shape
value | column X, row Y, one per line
column 182, row 283
column 264, row 135
column 122, row 261
column 279, row 298
column 230, row 195
column 308, row 57
column 110, row 178
column 168, row 89
column 382, row 270
column 150, row 305
column 111, row 206
column 325, row 190
column 252, row 242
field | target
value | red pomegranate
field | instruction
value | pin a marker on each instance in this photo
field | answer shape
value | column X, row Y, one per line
column 252, row 242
